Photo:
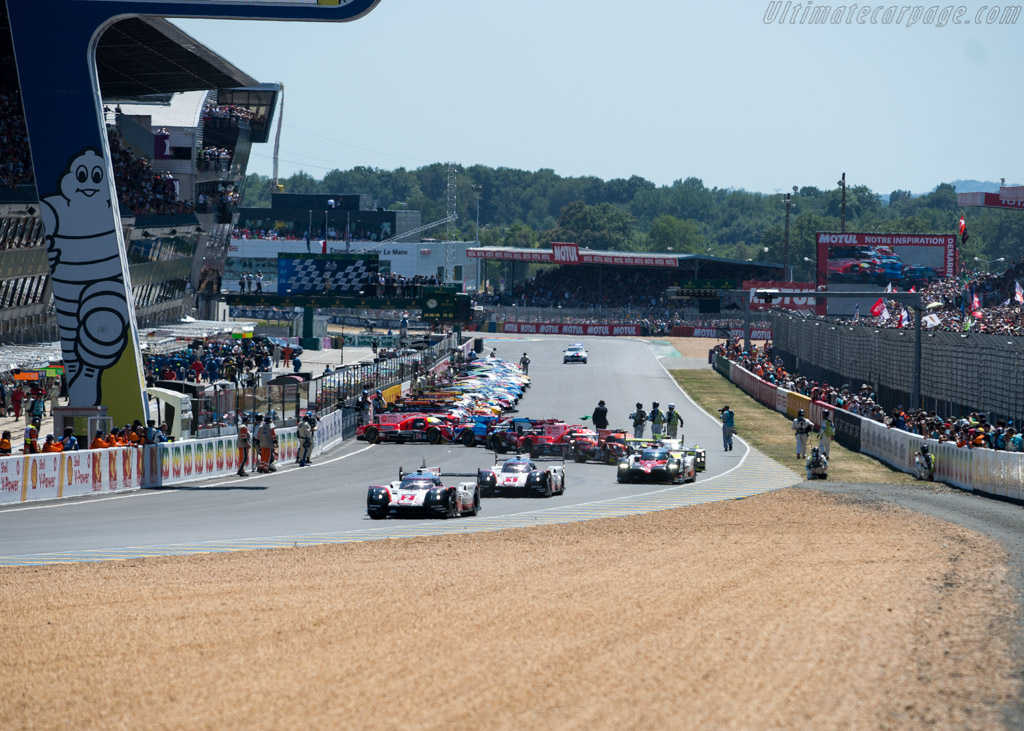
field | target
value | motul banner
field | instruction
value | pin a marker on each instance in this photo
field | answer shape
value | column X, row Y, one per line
column 558, row 328
column 795, row 296
column 568, row 253
column 688, row 331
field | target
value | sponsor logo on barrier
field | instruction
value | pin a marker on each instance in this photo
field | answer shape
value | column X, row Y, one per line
column 97, row 471
column 186, row 459
column 209, row 456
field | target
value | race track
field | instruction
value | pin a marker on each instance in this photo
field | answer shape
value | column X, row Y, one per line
column 326, row 503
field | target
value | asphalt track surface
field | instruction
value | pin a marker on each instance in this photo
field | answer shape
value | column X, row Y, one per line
column 326, row 502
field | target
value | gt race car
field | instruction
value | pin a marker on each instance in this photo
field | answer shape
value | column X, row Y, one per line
column 406, row 428
column 423, row 491
column 521, row 474
column 575, row 353
column 655, row 464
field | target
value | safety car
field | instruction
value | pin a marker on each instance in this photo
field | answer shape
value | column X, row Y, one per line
column 521, row 474
column 575, row 353
column 423, row 491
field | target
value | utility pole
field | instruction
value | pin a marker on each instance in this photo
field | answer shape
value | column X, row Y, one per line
column 789, row 269
column 842, row 215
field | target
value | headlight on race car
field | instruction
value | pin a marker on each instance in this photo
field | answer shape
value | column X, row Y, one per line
column 673, row 466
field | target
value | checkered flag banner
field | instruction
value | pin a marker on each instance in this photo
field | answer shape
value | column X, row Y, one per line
column 338, row 274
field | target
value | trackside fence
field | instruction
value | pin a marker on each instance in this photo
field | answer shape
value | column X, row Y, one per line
column 979, row 470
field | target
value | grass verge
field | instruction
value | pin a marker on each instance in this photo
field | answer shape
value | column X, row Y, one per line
column 770, row 431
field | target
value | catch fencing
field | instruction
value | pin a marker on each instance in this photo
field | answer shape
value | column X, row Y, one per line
column 960, row 372
column 980, row 470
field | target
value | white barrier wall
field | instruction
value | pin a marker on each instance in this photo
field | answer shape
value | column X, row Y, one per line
column 66, row 474
column 981, row 470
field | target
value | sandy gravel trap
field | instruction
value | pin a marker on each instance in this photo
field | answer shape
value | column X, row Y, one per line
column 793, row 609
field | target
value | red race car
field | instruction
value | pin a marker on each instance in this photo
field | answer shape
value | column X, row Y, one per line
column 406, row 428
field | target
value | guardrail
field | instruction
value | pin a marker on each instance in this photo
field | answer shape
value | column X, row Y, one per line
column 987, row 471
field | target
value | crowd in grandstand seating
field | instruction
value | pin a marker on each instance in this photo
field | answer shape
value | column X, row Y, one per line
column 217, row 200
column 972, row 430
column 317, row 234
column 230, row 112
column 213, row 157
column 15, row 159
column 975, row 302
column 140, row 190
column 589, row 286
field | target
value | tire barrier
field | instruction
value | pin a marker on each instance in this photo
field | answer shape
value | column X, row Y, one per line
column 988, row 471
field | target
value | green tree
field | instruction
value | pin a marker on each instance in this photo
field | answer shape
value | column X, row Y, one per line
column 669, row 233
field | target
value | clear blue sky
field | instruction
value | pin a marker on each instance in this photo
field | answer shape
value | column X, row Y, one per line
column 664, row 90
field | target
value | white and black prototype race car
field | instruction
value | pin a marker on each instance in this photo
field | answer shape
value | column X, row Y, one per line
column 521, row 474
column 656, row 464
column 423, row 491
column 575, row 353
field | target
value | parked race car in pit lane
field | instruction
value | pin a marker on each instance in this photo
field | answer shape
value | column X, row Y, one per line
column 655, row 464
column 423, row 491
column 406, row 428
column 521, row 474
column 608, row 446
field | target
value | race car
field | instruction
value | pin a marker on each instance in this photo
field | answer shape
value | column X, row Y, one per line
column 607, row 446
column 553, row 440
column 676, row 449
column 406, row 428
column 575, row 353
column 655, row 464
column 519, row 474
column 423, row 491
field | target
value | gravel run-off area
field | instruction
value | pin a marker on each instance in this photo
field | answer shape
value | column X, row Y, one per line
column 793, row 609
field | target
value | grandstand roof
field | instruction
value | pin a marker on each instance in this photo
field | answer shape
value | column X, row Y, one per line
column 139, row 56
column 621, row 258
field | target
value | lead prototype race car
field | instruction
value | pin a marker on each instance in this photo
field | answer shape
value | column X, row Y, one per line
column 521, row 474
column 423, row 491
column 656, row 464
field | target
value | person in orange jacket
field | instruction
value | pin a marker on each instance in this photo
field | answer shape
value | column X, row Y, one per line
column 99, row 442
column 51, row 446
column 5, row 443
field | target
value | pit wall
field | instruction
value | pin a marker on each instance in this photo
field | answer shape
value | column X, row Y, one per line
column 979, row 470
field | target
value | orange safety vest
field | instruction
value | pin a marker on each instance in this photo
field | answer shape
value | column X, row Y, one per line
column 98, row 443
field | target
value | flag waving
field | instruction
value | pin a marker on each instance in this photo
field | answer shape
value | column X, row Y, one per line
column 963, row 230
column 1018, row 293
column 877, row 308
column 975, row 304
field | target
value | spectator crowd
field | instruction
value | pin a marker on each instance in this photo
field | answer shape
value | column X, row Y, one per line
column 972, row 431
column 15, row 158
column 140, row 189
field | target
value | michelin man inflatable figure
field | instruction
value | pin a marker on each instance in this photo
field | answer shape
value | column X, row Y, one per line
column 88, row 281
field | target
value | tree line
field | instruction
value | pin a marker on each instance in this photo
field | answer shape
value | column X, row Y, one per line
column 531, row 208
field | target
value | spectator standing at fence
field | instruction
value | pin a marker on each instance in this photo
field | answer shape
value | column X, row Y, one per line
column 826, row 433
column 802, row 426
column 98, row 442
column 600, row 416
column 639, row 418
column 728, row 427
column 244, row 444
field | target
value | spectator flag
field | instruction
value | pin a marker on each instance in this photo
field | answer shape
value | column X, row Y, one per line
column 975, row 304
column 904, row 317
column 963, row 230
column 1018, row 293
column 931, row 320
column 967, row 324
column 912, row 289
column 856, row 312
column 878, row 308
column 888, row 287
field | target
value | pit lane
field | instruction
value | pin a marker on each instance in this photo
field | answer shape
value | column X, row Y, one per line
column 326, row 503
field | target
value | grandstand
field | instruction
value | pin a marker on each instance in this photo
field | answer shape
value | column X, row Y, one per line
column 180, row 122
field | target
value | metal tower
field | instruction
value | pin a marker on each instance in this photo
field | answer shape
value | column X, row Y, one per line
column 449, row 232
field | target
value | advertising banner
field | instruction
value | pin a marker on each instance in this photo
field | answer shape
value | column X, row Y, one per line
column 558, row 328
column 873, row 261
column 795, row 402
column 893, row 446
column 689, row 331
column 794, row 296
column 847, row 429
